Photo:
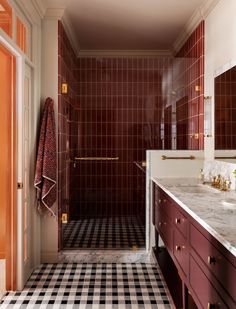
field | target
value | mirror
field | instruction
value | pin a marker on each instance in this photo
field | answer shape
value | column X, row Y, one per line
column 225, row 116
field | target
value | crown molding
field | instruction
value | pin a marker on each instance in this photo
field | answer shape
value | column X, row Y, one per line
column 125, row 53
column 66, row 22
column 199, row 14
column 54, row 13
column 39, row 7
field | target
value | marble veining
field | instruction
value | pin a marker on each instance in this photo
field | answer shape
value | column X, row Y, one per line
column 205, row 207
column 104, row 256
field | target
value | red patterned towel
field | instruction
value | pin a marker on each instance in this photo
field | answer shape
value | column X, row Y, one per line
column 46, row 166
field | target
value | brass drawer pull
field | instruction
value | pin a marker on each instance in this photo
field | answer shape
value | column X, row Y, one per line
column 178, row 248
column 177, row 220
column 159, row 201
column 211, row 260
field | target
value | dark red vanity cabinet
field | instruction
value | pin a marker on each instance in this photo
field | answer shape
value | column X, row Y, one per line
column 206, row 267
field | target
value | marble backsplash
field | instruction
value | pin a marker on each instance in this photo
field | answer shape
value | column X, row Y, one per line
column 223, row 168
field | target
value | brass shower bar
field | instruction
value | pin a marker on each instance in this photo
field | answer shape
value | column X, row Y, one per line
column 234, row 157
column 177, row 158
column 96, row 158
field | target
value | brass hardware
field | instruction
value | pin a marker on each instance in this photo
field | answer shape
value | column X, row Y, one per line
column 159, row 201
column 197, row 88
column 20, row 185
column 64, row 218
column 196, row 135
column 234, row 157
column 226, row 185
column 211, row 306
column 208, row 97
column 160, row 223
column 144, row 164
column 177, row 220
column 178, row 248
column 163, row 157
column 96, row 159
column 64, row 88
column 211, row 260
column 134, row 248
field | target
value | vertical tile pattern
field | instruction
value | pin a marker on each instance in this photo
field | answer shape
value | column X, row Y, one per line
column 120, row 102
column 67, row 117
column 118, row 108
column 190, row 106
column 225, row 110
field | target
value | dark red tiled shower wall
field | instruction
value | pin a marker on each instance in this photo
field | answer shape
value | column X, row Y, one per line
column 67, row 117
column 189, row 100
column 116, row 108
column 120, row 108
column 225, row 110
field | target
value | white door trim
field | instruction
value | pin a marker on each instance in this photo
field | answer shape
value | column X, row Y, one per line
column 20, row 59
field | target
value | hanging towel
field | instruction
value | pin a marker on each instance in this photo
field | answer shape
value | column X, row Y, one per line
column 46, row 165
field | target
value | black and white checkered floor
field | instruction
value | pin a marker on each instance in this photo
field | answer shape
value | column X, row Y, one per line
column 93, row 286
column 104, row 233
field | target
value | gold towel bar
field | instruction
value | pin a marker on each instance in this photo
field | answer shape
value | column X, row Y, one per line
column 234, row 157
column 178, row 158
column 96, row 159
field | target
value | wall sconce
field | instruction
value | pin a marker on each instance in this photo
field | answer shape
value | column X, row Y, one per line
column 64, row 88
column 207, row 116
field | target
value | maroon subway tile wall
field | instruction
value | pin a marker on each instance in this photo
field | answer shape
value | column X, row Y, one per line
column 120, row 105
column 225, row 110
column 189, row 91
column 115, row 110
column 67, row 118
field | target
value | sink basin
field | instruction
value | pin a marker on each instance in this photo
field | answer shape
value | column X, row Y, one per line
column 198, row 189
column 229, row 203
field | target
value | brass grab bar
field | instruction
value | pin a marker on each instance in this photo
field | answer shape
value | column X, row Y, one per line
column 163, row 157
column 96, row 158
column 234, row 157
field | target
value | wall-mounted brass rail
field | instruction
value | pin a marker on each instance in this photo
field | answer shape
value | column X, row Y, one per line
column 96, row 159
column 177, row 158
column 234, row 157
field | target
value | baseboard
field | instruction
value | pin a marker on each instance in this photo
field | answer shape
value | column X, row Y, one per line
column 2, row 294
column 49, row 257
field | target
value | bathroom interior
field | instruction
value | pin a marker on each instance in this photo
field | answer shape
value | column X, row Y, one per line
column 145, row 124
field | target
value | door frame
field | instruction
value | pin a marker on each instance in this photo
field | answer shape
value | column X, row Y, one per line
column 14, row 248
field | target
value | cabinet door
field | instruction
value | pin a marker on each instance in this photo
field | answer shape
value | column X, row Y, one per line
column 204, row 291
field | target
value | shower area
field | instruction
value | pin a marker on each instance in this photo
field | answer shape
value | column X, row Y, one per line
column 115, row 109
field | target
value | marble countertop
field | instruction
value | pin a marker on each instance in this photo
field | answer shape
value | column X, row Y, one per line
column 205, row 206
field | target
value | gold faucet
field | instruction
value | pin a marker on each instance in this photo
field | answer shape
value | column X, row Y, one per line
column 220, row 183
column 226, row 185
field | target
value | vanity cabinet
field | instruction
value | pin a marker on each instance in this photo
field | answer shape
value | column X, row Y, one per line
column 207, row 269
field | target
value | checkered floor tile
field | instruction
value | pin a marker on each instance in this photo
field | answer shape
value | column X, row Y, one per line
column 93, row 286
column 105, row 233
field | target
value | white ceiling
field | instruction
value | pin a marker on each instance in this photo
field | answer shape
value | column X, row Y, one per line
column 128, row 24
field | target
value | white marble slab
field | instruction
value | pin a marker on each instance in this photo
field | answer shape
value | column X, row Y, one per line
column 205, row 207
column 104, row 256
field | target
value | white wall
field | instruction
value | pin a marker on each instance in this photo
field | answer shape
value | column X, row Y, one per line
column 49, row 225
column 220, row 50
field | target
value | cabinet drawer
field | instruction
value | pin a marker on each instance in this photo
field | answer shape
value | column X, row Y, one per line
column 165, row 204
column 180, row 222
column 180, row 251
column 220, row 267
column 203, row 289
